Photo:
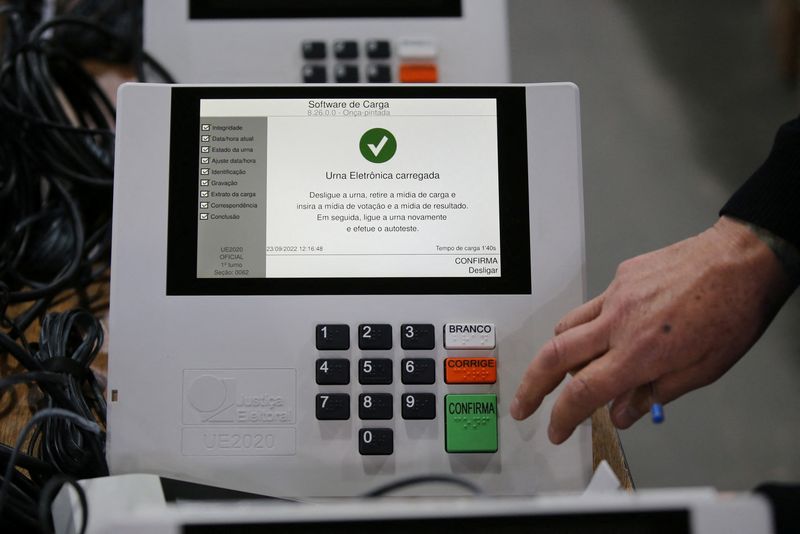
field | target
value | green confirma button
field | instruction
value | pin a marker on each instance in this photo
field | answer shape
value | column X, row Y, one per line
column 470, row 423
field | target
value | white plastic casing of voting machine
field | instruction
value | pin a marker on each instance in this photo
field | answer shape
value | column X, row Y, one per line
column 320, row 289
column 317, row 41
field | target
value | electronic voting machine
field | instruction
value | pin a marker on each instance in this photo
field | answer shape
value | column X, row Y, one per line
column 320, row 289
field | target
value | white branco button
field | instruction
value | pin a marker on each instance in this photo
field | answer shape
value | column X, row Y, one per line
column 417, row 49
column 469, row 336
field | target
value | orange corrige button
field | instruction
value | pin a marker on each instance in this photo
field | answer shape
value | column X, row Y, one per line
column 470, row 370
column 419, row 73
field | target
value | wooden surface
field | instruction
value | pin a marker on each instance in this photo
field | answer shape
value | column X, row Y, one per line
column 15, row 408
column 607, row 446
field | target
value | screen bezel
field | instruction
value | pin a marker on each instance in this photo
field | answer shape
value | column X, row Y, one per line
column 292, row 9
column 514, row 214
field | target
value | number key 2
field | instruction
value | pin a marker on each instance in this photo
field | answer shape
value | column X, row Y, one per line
column 417, row 336
column 375, row 336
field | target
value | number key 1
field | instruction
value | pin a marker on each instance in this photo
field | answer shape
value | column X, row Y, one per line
column 333, row 337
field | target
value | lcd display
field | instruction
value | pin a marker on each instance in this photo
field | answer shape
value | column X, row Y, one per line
column 337, row 188
column 241, row 9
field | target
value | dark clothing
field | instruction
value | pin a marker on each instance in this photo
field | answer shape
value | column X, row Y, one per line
column 785, row 502
column 770, row 199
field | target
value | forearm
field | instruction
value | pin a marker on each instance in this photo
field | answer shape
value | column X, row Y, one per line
column 786, row 253
column 756, row 253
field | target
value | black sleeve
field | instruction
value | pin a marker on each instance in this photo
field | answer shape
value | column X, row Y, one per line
column 771, row 197
column 784, row 500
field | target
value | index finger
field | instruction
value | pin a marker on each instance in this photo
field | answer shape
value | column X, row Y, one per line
column 584, row 313
column 548, row 368
column 594, row 386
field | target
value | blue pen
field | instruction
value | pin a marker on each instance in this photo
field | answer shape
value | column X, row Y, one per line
column 656, row 408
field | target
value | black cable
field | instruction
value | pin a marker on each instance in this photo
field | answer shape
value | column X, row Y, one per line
column 26, row 461
column 65, row 276
column 422, row 479
column 89, row 426
column 49, row 491
column 56, row 177
column 68, row 344
column 63, row 122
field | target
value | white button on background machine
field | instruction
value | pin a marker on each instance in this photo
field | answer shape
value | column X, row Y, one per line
column 469, row 336
column 416, row 49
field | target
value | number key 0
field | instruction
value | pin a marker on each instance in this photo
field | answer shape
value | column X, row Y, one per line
column 375, row 441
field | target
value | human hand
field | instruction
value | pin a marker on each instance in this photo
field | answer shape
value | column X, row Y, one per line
column 678, row 317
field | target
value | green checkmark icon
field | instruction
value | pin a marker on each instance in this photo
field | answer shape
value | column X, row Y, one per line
column 378, row 145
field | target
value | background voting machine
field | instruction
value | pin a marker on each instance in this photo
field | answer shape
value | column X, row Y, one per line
column 320, row 41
